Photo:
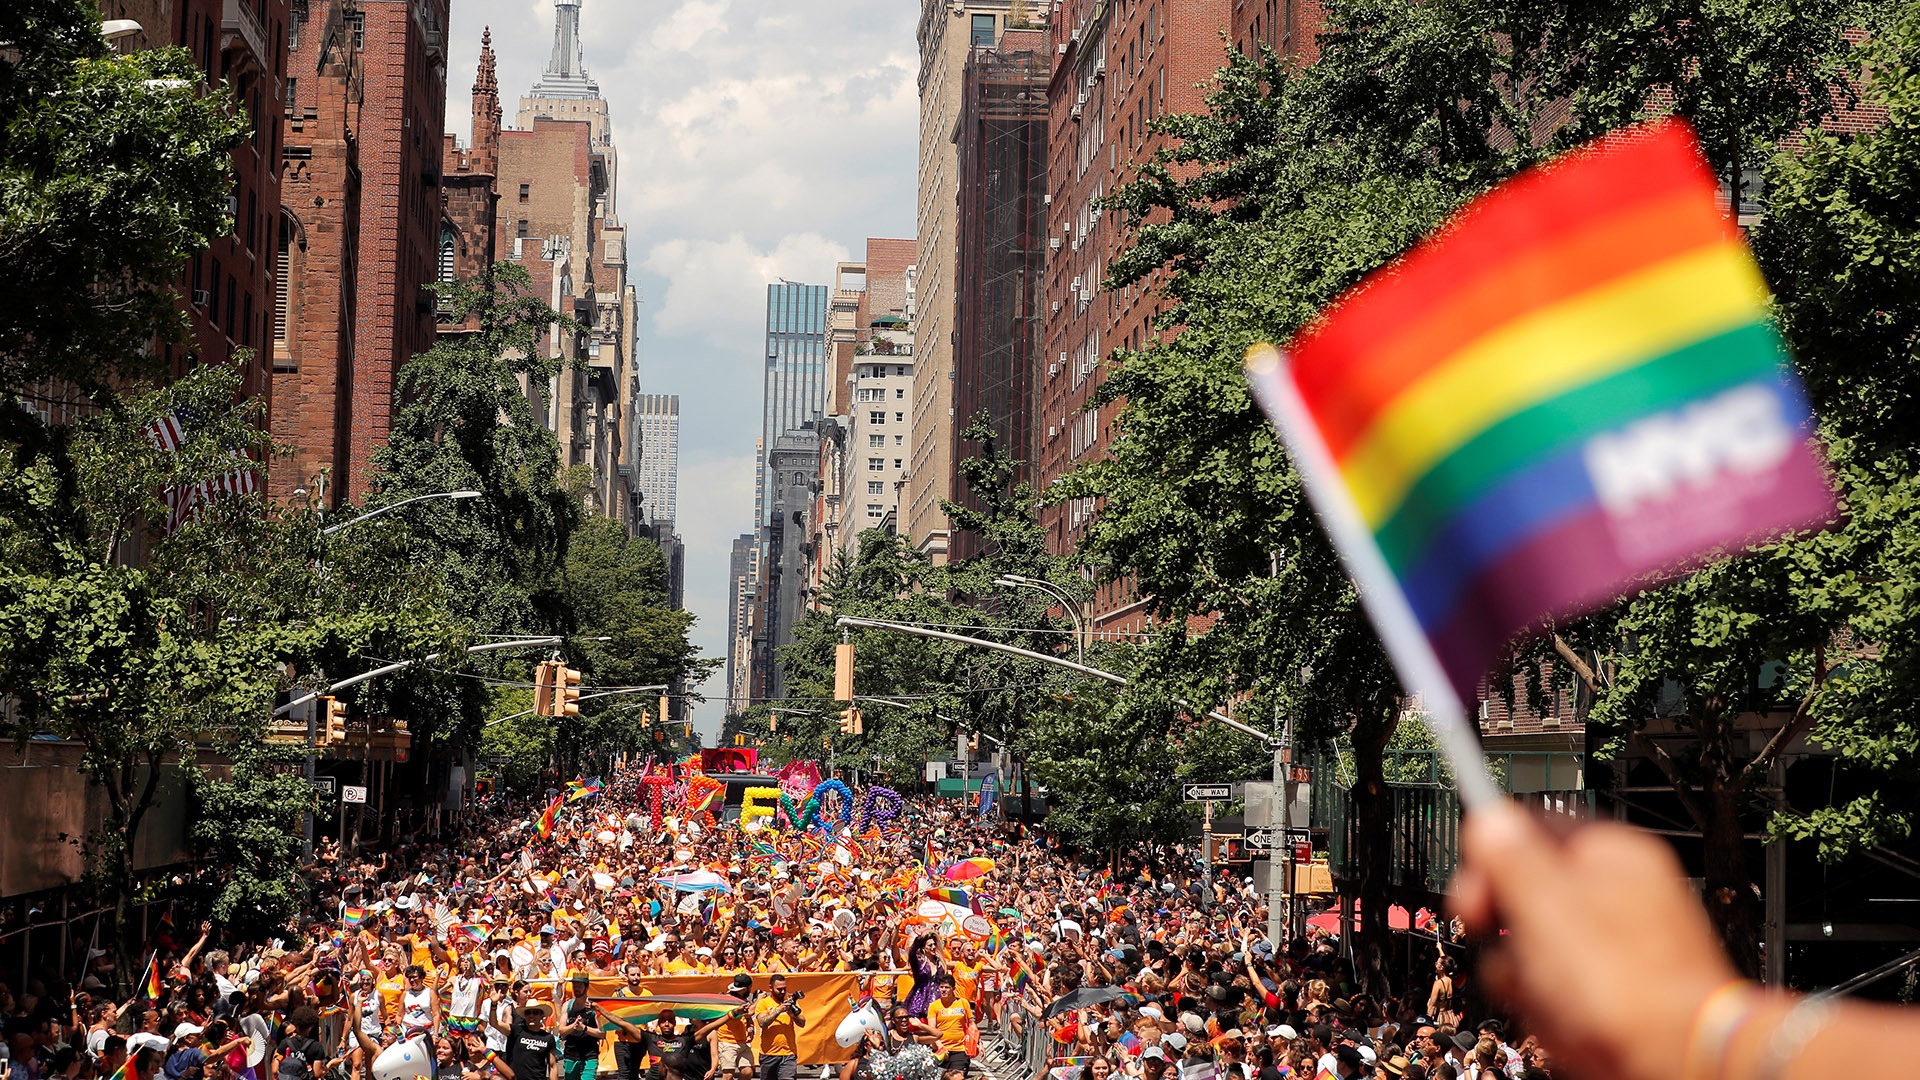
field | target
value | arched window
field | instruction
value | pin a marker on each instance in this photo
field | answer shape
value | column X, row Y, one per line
column 446, row 256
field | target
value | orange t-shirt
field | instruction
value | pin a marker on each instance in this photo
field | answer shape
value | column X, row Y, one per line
column 950, row 1018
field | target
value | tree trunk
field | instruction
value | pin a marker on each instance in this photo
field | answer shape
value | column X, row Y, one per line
column 1373, row 852
column 1728, row 890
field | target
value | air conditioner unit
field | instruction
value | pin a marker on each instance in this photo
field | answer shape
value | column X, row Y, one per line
column 1063, row 358
column 1100, row 66
column 1052, row 432
column 1486, row 710
column 1053, row 243
column 1056, row 307
column 1074, row 112
column 1046, row 200
column 201, row 298
column 1052, row 370
column 1075, row 287
column 1086, row 296
column 1060, row 49
column 1081, row 99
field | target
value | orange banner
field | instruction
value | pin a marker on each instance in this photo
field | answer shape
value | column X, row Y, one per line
column 823, row 1002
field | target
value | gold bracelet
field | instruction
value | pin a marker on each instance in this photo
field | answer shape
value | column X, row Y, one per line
column 1714, row 1021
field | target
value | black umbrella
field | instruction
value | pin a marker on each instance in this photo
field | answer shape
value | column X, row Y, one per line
column 1085, row 997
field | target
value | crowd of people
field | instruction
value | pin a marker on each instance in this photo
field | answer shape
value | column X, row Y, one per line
column 477, row 955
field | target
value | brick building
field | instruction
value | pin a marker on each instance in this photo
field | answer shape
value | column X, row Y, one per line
column 556, row 180
column 1115, row 67
column 227, row 290
column 469, row 193
column 1001, row 234
column 366, row 103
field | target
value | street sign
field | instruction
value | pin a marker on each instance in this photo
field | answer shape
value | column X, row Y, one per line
column 1207, row 792
column 353, row 794
column 323, row 785
column 1262, row 841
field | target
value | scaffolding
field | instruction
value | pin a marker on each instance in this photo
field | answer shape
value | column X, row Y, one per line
column 1002, row 227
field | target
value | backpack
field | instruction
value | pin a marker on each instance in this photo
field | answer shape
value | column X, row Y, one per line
column 297, row 1063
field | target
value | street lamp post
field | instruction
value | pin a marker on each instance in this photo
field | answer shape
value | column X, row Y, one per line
column 1067, row 604
column 331, row 529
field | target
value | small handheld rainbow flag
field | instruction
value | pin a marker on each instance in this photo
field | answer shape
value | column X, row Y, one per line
column 1567, row 391
column 1022, row 975
column 641, row 1011
column 549, row 817
column 352, row 916
column 582, row 789
column 956, row 897
column 152, row 981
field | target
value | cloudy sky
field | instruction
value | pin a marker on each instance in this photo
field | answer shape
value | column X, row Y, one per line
column 758, row 139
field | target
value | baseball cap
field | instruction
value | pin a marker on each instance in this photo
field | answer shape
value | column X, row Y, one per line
column 1152, row 1010
column 1153, row 1052
column 1174, row 1040
column 185, row 1031
column 1282, row 1031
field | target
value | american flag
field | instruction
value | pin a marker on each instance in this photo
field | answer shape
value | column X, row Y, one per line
column 165, row 433
column 184, row 499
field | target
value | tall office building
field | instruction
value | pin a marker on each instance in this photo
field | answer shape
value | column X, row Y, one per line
column 742, row 577
column 949, row 31
column 796, row 370
column 657, row 417
column 1002, row 229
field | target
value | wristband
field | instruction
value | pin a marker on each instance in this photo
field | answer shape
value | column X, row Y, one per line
column 1791, row 1035
column 1714, row 1023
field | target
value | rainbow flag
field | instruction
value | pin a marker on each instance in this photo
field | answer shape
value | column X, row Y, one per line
column 1130, row 1042
column 582, row 789
column 151, row 982
column 956, row 897
column 641, row 1011
column 1568, row 390
column 549, row 817
column 1022, row 975
column 352, row 916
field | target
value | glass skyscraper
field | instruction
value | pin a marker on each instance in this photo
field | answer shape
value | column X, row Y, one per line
column 796, row 371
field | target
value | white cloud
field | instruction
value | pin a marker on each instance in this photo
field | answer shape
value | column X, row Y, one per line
column 688, row 24
column 709, row 280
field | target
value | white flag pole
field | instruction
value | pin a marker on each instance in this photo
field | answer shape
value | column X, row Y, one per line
column 1400, row 633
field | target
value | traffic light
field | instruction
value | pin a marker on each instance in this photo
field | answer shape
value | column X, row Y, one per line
column 482, row 786
column 333, row 721
column 566, row 691
column 739, row 740
column 663, row 709
column 543, row 688
column 843, row 687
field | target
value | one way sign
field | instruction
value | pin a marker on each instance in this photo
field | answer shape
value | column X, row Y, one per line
column 1207, row 792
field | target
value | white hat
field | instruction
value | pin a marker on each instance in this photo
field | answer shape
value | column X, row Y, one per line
column 1152, row 1010
column 703, row 951
column 1153, row 1052
column 1367, row 1055
column 1175, row 1040
column 185, row 1030
column 1282, row 1031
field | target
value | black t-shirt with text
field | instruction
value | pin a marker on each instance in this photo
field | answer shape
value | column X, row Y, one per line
column 529, row 1051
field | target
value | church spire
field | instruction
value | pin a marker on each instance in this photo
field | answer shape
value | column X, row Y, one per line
column 566, row 74
column 486, row 108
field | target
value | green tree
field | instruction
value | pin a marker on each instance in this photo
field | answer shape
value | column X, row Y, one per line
column 469, row 424
column 147, row 644
column 1293, row 185
column 250, row 823
column 113, row 172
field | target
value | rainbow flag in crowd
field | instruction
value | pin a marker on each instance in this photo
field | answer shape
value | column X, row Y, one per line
column 152, row 979
column 582, row 789
column 641, row 1011
column 352, row 916
column 1130, row 1042
column 1022, row 975
column 956, row 897
column 1568, row 389
column 548, row 818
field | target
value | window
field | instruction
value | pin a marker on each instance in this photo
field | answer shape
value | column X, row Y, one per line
column 876, row 441
column 875, row 510
column 293, row 87
column 358, row 21
column 446, row 257
column 875, row 464
column 520, row 230
column 899, row 371
column 982, row 31
column 899, row 440
column 526, row 191
column 897, row 394
column 876, row 487
column 294, row 24
column 899, row 417
column 876, row 417
column 280, row 284
column 896, row 463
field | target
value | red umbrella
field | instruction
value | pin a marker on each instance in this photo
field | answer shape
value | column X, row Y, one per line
column 1397, row 918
